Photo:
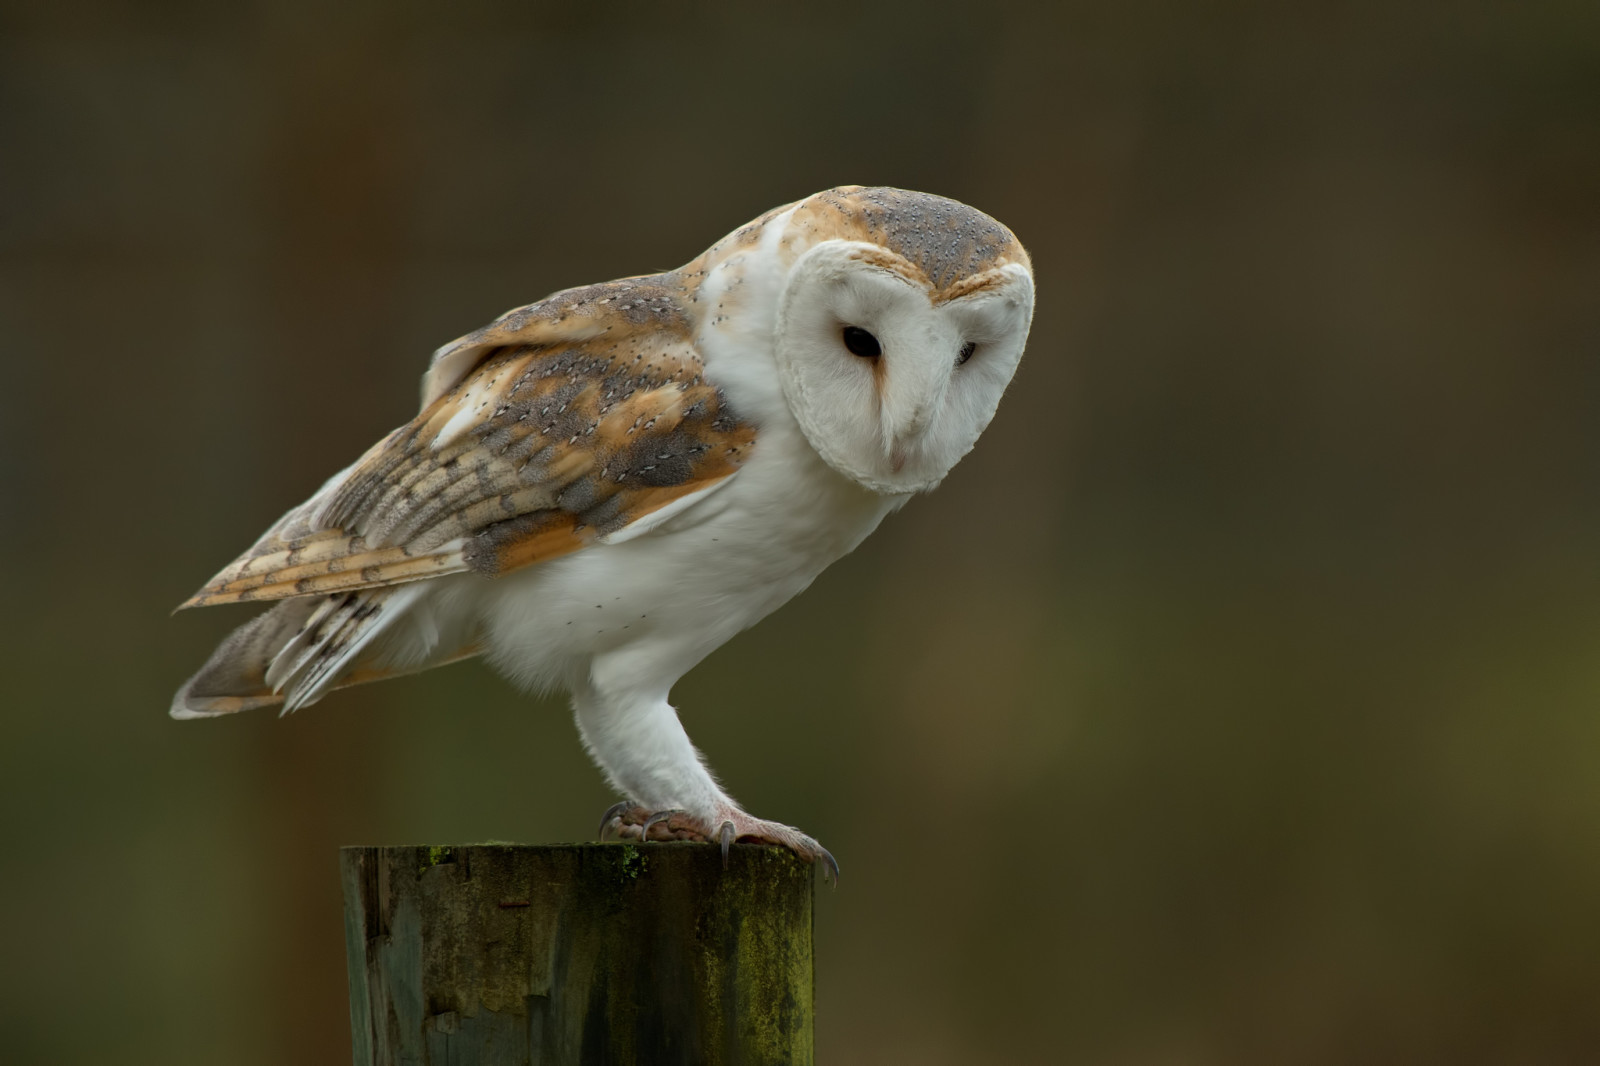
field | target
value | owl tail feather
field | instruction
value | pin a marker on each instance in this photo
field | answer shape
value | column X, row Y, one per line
column 302, row 649
column 235, row 677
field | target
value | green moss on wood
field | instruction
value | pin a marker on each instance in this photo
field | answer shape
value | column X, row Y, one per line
column 436, row 855
column 633, row 862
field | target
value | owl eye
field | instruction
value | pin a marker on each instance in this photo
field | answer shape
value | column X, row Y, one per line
column 966, row 352
column 858, row 341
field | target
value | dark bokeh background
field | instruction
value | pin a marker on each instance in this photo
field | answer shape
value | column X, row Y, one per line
column 1236, row 702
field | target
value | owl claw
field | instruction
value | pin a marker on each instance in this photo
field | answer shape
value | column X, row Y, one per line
column 830, row 867
column 613, row 812
column 743, row 827
column 659, row 816
column 628, row 820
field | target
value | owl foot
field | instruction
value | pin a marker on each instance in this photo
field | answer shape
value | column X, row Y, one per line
column 631, row 822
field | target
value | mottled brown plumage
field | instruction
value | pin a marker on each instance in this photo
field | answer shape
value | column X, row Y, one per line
column 951, row 248
column 539, row 449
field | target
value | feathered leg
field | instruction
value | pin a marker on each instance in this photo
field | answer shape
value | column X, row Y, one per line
column 634, row 735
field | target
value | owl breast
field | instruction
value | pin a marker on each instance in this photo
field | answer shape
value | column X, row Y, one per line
column 676, row 593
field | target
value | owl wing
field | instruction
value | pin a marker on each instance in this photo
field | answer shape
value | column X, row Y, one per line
column 582, row 419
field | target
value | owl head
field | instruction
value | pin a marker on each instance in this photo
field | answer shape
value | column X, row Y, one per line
column 900, row 321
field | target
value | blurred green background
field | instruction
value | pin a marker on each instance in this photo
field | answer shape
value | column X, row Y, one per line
column 1237, row 701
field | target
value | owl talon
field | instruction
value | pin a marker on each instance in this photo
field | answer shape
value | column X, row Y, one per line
column 659, row 816
column 613, row 812
column 626, row 820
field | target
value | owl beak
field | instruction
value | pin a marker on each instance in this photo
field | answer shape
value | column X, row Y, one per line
column 902, row 443
column 910, row 406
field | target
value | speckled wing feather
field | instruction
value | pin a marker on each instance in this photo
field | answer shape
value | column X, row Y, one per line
column 561, row 424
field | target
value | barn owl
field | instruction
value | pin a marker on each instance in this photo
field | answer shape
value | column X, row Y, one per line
column 603, row 487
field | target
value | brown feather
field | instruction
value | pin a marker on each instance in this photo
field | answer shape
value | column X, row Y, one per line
column 537, row 450
column 235, row 677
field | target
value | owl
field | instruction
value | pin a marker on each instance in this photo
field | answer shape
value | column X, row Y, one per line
column 603, row 487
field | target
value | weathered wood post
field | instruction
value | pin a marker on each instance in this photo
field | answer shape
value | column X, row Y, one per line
column 578, row 953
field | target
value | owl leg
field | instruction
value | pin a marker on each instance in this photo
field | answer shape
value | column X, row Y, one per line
column 639, row 743
column 634, row 735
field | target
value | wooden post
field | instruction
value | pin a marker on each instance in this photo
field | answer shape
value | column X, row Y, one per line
column 577, row 954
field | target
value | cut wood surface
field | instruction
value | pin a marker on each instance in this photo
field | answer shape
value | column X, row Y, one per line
column 578, row 953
